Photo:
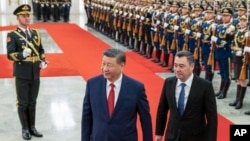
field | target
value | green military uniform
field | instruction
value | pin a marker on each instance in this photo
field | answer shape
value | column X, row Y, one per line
column 26, row 70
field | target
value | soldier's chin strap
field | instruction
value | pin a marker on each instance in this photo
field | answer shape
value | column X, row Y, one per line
column 29, row 44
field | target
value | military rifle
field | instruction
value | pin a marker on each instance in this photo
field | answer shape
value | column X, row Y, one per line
column 246, row 54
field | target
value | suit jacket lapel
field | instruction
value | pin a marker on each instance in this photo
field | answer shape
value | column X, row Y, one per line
column 172, row 91
column 103, row 99
column 121, row 95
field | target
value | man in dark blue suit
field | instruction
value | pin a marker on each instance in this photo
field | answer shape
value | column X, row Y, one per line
column 101, row 122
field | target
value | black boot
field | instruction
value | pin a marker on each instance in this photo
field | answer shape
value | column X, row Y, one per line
column 237, row 96
column 143, row 48
column 209, row 76
column 241, row 98
column 224, row 90
column 149, row 51
column 165, row 60
column 24, row 122
column 247, row 113
column 32, row 119
column 221, row 86
column 157, row 56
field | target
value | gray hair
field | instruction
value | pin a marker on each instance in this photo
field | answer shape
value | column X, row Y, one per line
column 115, row 53
column 187, row 54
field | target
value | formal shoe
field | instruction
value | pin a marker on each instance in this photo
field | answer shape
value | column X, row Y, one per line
column 35, row 133
column 26, row 134
column 247, row 113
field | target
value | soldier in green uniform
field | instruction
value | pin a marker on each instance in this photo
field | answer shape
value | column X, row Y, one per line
column 25, row 49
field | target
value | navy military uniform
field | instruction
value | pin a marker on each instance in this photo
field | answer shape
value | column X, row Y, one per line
column 223, row 52
column 27, row 61
column 206, row 34
column 192, row 42
column 66, row 10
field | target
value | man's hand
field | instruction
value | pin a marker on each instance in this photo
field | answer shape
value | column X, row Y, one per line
column 43, row 64
column 26, row 52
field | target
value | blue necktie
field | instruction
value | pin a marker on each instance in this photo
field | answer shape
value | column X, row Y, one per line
column 181, row 99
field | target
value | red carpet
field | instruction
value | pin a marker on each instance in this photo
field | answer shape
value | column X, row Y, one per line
column 84, row 52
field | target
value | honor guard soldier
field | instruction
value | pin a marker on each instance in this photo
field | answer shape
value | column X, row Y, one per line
column 55, row 8
column 172, row 33
column 218, row 17
column 155, row 32
column 183, row 22
column 205, row 37
column 223, row 40
column 164, row 44
column 239, row 43
column 148, row 26
column 131, row 25
column 192, row 40
column 24, row 48
column 66, row 10
column 38, row 9
column 45, row 10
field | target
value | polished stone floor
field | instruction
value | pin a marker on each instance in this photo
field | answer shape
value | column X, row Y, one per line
column 59, row 104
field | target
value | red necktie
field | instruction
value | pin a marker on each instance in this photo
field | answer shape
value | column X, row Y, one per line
column 111, row 99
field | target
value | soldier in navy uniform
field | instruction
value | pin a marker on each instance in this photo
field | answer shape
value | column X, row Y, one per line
column 172, row 18
column 205, row 37
column 24, row 48
column 192, row 42
column 66, row 10
column 223, row 53
column 239, row 44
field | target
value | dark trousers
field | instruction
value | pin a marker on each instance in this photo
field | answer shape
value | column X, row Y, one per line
column 27, row 92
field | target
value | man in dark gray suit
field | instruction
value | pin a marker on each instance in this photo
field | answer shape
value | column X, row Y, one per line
column 191, row 102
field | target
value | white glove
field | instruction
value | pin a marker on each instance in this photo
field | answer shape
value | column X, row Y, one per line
column 230, row 29
column 238, row 53
column 26, row 52
column 218, row 17
column 165, row 15
column 43, row 65
column 214, row 26
column 198, row 35
column 247, row 49
column 155, row 29
column 125, row 14
column 120, row 12
column 116, row 11
column 130, row 14
column 247, row 34
column 176, row 27
column 165, row 25
column 214, row 38
column 187, row 31
column 142, row 18
column 137, row 16
column 158, row 22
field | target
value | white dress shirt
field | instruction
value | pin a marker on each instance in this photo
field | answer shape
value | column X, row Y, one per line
column 117, row 88
column 187, row 89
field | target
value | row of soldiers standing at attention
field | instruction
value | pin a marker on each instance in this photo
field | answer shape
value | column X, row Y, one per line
column 45, row 9
column 214, row 31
